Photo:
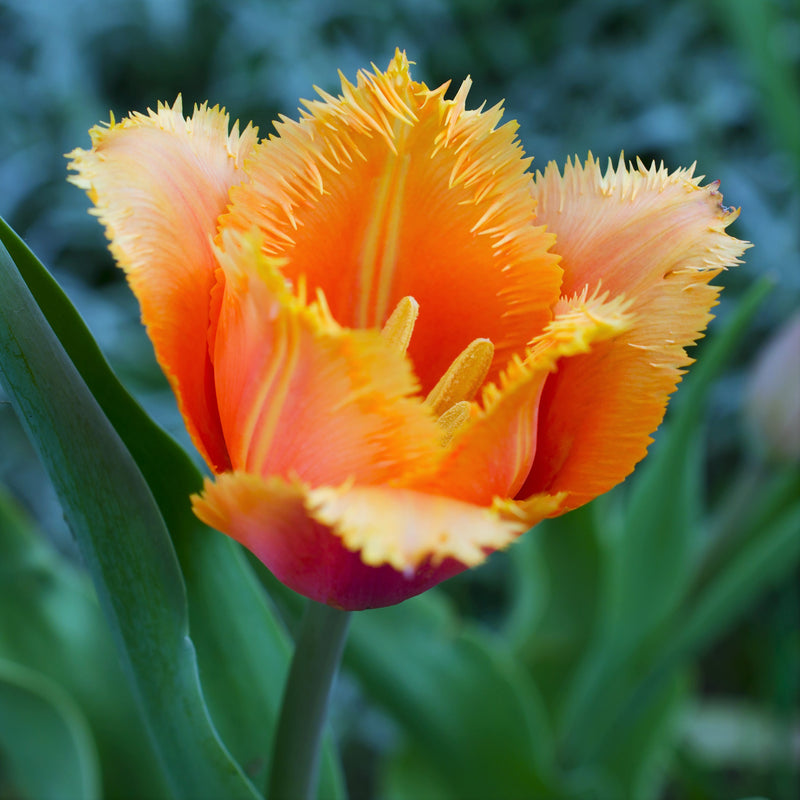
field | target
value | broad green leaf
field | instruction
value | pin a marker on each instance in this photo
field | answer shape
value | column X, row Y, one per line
column 559, row 559
column 766, row 558
column 51, row 623
column 242, row 650
column 650, row 565
column 459, row 696
column 123, row 539
column 45, row 744
column 656, row 554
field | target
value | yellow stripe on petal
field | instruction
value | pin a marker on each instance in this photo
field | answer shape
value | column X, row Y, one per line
column 658, row 238
column 159, row 182
column 301, row 396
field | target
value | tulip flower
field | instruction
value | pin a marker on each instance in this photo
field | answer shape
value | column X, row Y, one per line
column 395, row 346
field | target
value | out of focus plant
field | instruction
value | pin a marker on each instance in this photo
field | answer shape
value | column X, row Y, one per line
column 773, row 396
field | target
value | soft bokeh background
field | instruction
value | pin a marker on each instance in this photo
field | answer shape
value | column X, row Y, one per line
column 714, row 81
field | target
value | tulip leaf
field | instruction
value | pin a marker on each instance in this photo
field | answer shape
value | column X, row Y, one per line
column 46, row 747
column 767, row 556
column 51, row 623
column 557, row 553
column 636, row 754
column 652, row 560
column 122, row 538
column 242, row 649
column 409, row 775
column 459, row 696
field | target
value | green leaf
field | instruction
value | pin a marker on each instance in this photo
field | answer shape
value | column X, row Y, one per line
column 409, row 775
column 657, row 552
column 639, row 754
column 767, row 556
column 122, row 537
column 459, row 696
column 650, row 565
column 46, row 748
column 242, row 650
column 557, row 554
column 51, row 623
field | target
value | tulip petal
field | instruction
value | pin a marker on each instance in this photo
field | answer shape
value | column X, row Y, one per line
column 659, row 238
column 404, row 528
column 159, row 182
column 298, row 395
column 491, row 455
column 531, row 511
column 353, row 547
column 390, row 191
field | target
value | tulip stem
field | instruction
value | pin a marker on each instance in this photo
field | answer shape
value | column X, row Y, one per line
column 295, row 753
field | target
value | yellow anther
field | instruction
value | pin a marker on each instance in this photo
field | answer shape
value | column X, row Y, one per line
column 400, row 325
column 463, row 377
column 452, row 420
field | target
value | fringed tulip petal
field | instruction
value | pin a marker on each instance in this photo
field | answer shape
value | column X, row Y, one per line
column 299, row 395
column 404, row 528
column 491, row 454
column 159, row 182
column 390, row 190
column 311, row 540
column 531, row 511
column 659, row 239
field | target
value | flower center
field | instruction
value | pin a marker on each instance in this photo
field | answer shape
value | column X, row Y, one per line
column 450, row 397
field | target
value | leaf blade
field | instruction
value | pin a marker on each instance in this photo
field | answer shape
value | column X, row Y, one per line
column 242, row 666
column 123, row 540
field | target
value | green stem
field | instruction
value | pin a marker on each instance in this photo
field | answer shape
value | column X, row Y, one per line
column 295, row 754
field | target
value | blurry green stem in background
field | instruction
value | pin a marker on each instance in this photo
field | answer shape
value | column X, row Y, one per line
column 318, row 651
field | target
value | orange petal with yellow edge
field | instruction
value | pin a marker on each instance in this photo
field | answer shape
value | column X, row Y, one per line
column 353, row 548
column 390, row 190
column 659, row 238
column 491, row 454
column 159, row 182
column 300, row 396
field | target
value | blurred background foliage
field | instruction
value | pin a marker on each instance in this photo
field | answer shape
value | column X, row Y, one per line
column 663, row 665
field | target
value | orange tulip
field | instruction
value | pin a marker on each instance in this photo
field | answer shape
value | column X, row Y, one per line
column 396, row 347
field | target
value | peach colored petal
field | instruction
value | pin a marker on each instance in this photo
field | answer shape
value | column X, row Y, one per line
column 629, row 228
column 159, row 182
column 299, row 395
column 491, row 455
column 389, row 190
column 278, row 521
column 659, row 238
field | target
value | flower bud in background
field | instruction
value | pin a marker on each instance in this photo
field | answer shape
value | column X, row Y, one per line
column 773, row 394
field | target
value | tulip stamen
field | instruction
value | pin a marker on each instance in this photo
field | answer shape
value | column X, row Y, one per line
column 400, row 326
column 463, row 377
column 452, row 420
